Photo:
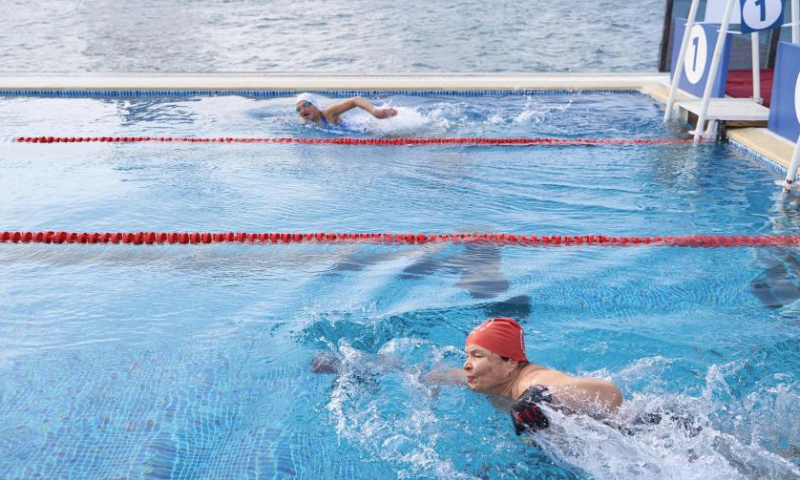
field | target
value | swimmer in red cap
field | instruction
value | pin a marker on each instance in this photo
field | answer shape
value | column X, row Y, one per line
column 497, row 365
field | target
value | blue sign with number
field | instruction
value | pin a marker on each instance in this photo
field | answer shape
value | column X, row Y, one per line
column 697, row 64
column 760, row 15
column 784, row 112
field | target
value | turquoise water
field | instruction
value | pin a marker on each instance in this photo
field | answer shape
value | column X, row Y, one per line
column 193, row 361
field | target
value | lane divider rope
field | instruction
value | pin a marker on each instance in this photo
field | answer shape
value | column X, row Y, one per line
column 264, row 93
column 172, row 238
column 364, row 141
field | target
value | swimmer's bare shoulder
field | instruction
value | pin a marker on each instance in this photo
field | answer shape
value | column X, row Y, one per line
column 591, row 396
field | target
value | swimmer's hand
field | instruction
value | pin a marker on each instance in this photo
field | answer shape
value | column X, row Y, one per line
column 325, row 363
column 385, row 112
column 525, row 412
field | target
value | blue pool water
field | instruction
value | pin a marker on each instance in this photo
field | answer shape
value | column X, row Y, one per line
column 193, row 361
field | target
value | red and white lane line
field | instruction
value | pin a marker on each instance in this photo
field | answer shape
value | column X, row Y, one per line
column 535, row 141
column 178, row 238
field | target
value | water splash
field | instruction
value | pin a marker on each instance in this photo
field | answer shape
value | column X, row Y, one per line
column 382, row 403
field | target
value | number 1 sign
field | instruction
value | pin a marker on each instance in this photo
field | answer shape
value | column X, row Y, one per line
column 697, row 62
column 759, row 15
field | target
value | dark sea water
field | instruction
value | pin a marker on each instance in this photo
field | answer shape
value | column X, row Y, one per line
column 354, row 36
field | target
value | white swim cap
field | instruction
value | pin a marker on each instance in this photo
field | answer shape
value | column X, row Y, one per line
column 307, row 97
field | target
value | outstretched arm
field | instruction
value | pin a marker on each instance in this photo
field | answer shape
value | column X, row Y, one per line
column 591, row 396
column 334, row 111
column 444, row 376
column 325, row 363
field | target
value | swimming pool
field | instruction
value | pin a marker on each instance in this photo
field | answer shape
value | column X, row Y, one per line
column 193, row 361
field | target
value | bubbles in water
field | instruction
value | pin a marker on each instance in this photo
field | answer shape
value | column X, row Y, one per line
column 536, row 110
column 379, row 403
column 382, row 403
column 409, row 121
column 659, row 437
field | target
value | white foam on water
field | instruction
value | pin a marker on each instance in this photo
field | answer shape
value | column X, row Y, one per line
column 409, row 121
column 537, row 110
column 707, row 436
column 402, row 432
column 686, row 445
column 710, row 436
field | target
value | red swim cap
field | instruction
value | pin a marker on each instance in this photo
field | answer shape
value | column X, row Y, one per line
column 502, row 336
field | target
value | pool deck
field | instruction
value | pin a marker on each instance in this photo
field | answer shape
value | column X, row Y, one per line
column 765, row 143
column 758, row 140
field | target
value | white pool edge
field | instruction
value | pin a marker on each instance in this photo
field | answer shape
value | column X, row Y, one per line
column 301, row 82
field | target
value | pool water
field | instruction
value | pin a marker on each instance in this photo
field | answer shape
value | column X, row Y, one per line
column 194, row 361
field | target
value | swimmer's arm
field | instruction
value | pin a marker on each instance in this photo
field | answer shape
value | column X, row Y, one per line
column 324, row 362
column 444, row 376
column 590, row 396
column 335, row 110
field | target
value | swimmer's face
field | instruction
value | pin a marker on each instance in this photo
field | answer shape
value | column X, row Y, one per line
column 306, row 110
column 486, row 372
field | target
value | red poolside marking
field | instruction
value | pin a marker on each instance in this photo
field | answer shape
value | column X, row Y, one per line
column 365, row 141
column 171, row 238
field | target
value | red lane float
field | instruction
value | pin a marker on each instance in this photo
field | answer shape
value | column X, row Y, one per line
column 194, row 238
column 364, row 141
